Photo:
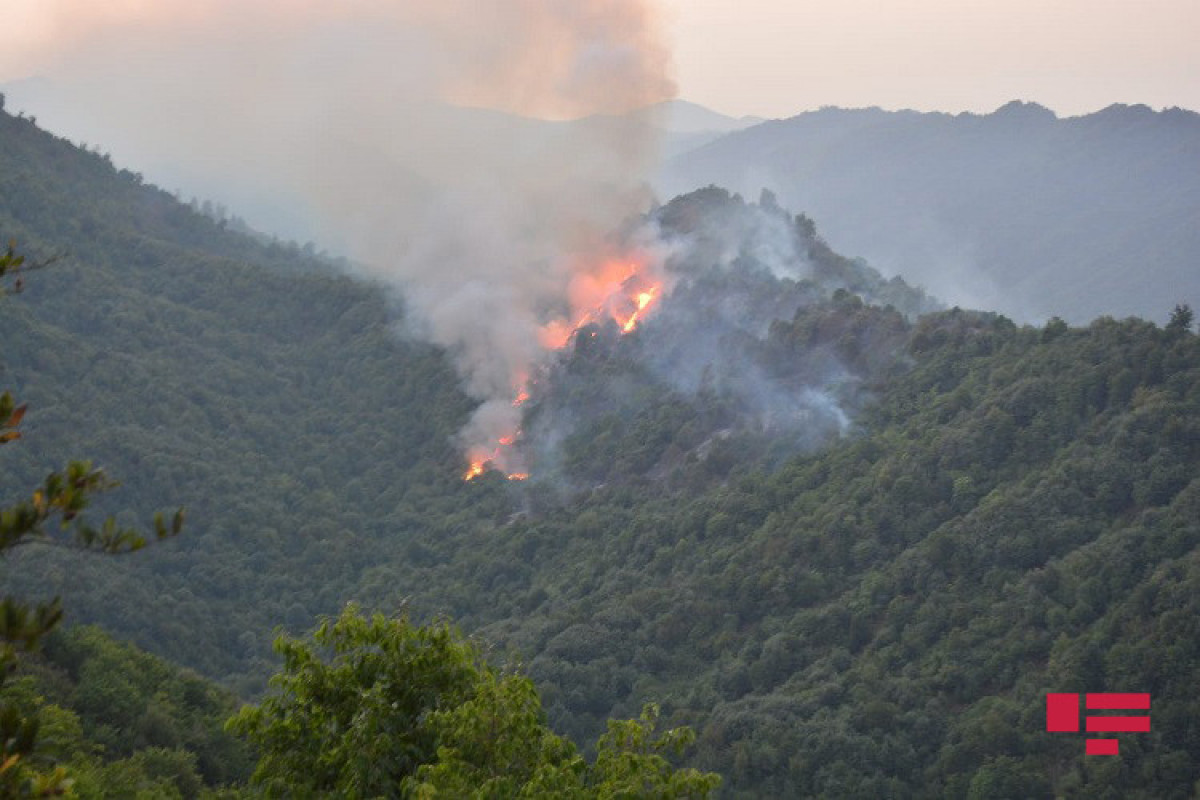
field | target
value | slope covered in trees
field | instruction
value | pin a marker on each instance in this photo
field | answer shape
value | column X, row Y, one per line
column 312, row 445
column 885, row 617
column 877, row 611
column 241, row 380
column 121, row 721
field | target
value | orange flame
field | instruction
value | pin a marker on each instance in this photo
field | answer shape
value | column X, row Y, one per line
column 502, row 456
column 643, row 301
column 620, row 290
column 624, row 291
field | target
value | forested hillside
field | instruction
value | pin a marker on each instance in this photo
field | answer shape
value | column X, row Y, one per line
column 857, row 580
column 124, row 722
column 249, row 384
column 884, row 618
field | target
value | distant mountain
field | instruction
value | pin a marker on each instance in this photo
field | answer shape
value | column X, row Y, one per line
column 683, row 126
column 687, row 126
column 1016, row 210
column 682, row 116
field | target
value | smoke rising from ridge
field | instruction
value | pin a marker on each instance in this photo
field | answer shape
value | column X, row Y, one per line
column 387, row 131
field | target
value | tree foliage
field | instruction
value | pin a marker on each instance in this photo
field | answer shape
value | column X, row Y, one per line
column 349, row 709
column 379, row 707
column 1181, row 318
column 123, row 723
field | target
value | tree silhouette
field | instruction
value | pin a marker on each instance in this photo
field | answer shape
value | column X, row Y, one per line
column 1181, row 318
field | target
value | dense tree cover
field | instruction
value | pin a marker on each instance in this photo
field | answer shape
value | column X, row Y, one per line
column 1009, row 510
column 231, row 376
column 123, row 723
column 269, row 396
column 26, row 769
column 378, row 707
column 883, row 618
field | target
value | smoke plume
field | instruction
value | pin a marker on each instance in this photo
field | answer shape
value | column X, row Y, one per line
column 397, row 133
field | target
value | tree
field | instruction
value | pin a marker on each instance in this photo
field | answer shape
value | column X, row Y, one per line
column 1055, row 327
column 498, row 745
column 62, row 496
column 350, row 711
column 1181, row 318
column 381, row 707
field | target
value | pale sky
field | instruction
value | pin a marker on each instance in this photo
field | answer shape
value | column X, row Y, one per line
column 774, row 58
column 779, row 57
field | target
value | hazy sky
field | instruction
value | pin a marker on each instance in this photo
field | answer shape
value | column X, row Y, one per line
column 777, row 57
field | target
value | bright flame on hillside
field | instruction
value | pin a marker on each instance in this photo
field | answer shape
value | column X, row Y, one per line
column 621, row 290
column 643, row 301
column 501, row 458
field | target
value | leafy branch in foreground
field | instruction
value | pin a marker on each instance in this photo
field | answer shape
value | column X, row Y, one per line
column 14, row 266
column 66, row 494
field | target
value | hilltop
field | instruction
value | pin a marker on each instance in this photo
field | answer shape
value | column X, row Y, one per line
column 1018, row 210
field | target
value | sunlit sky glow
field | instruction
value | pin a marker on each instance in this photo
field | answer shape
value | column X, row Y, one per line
column 777, row 57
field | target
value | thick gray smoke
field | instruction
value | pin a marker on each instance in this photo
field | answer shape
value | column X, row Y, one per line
column 396, row 133
column 768, row 344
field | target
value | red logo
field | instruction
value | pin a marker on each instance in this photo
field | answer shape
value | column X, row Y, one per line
column 1062, row 716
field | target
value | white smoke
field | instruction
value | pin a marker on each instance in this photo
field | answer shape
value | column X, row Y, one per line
column 364, row 121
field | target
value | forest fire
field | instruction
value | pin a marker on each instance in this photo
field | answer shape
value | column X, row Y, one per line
column 480, row 461
column 643, row 301
column 621, row 290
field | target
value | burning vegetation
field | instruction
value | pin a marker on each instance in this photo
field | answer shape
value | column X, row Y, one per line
column 623, row 291
column 762, row 338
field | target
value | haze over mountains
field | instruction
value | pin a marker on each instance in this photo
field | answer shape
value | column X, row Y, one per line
column 1017, row 211
column 686, row 126
column 263, row 187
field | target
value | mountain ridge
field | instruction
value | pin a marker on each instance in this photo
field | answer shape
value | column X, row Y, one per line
column 959, row 203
